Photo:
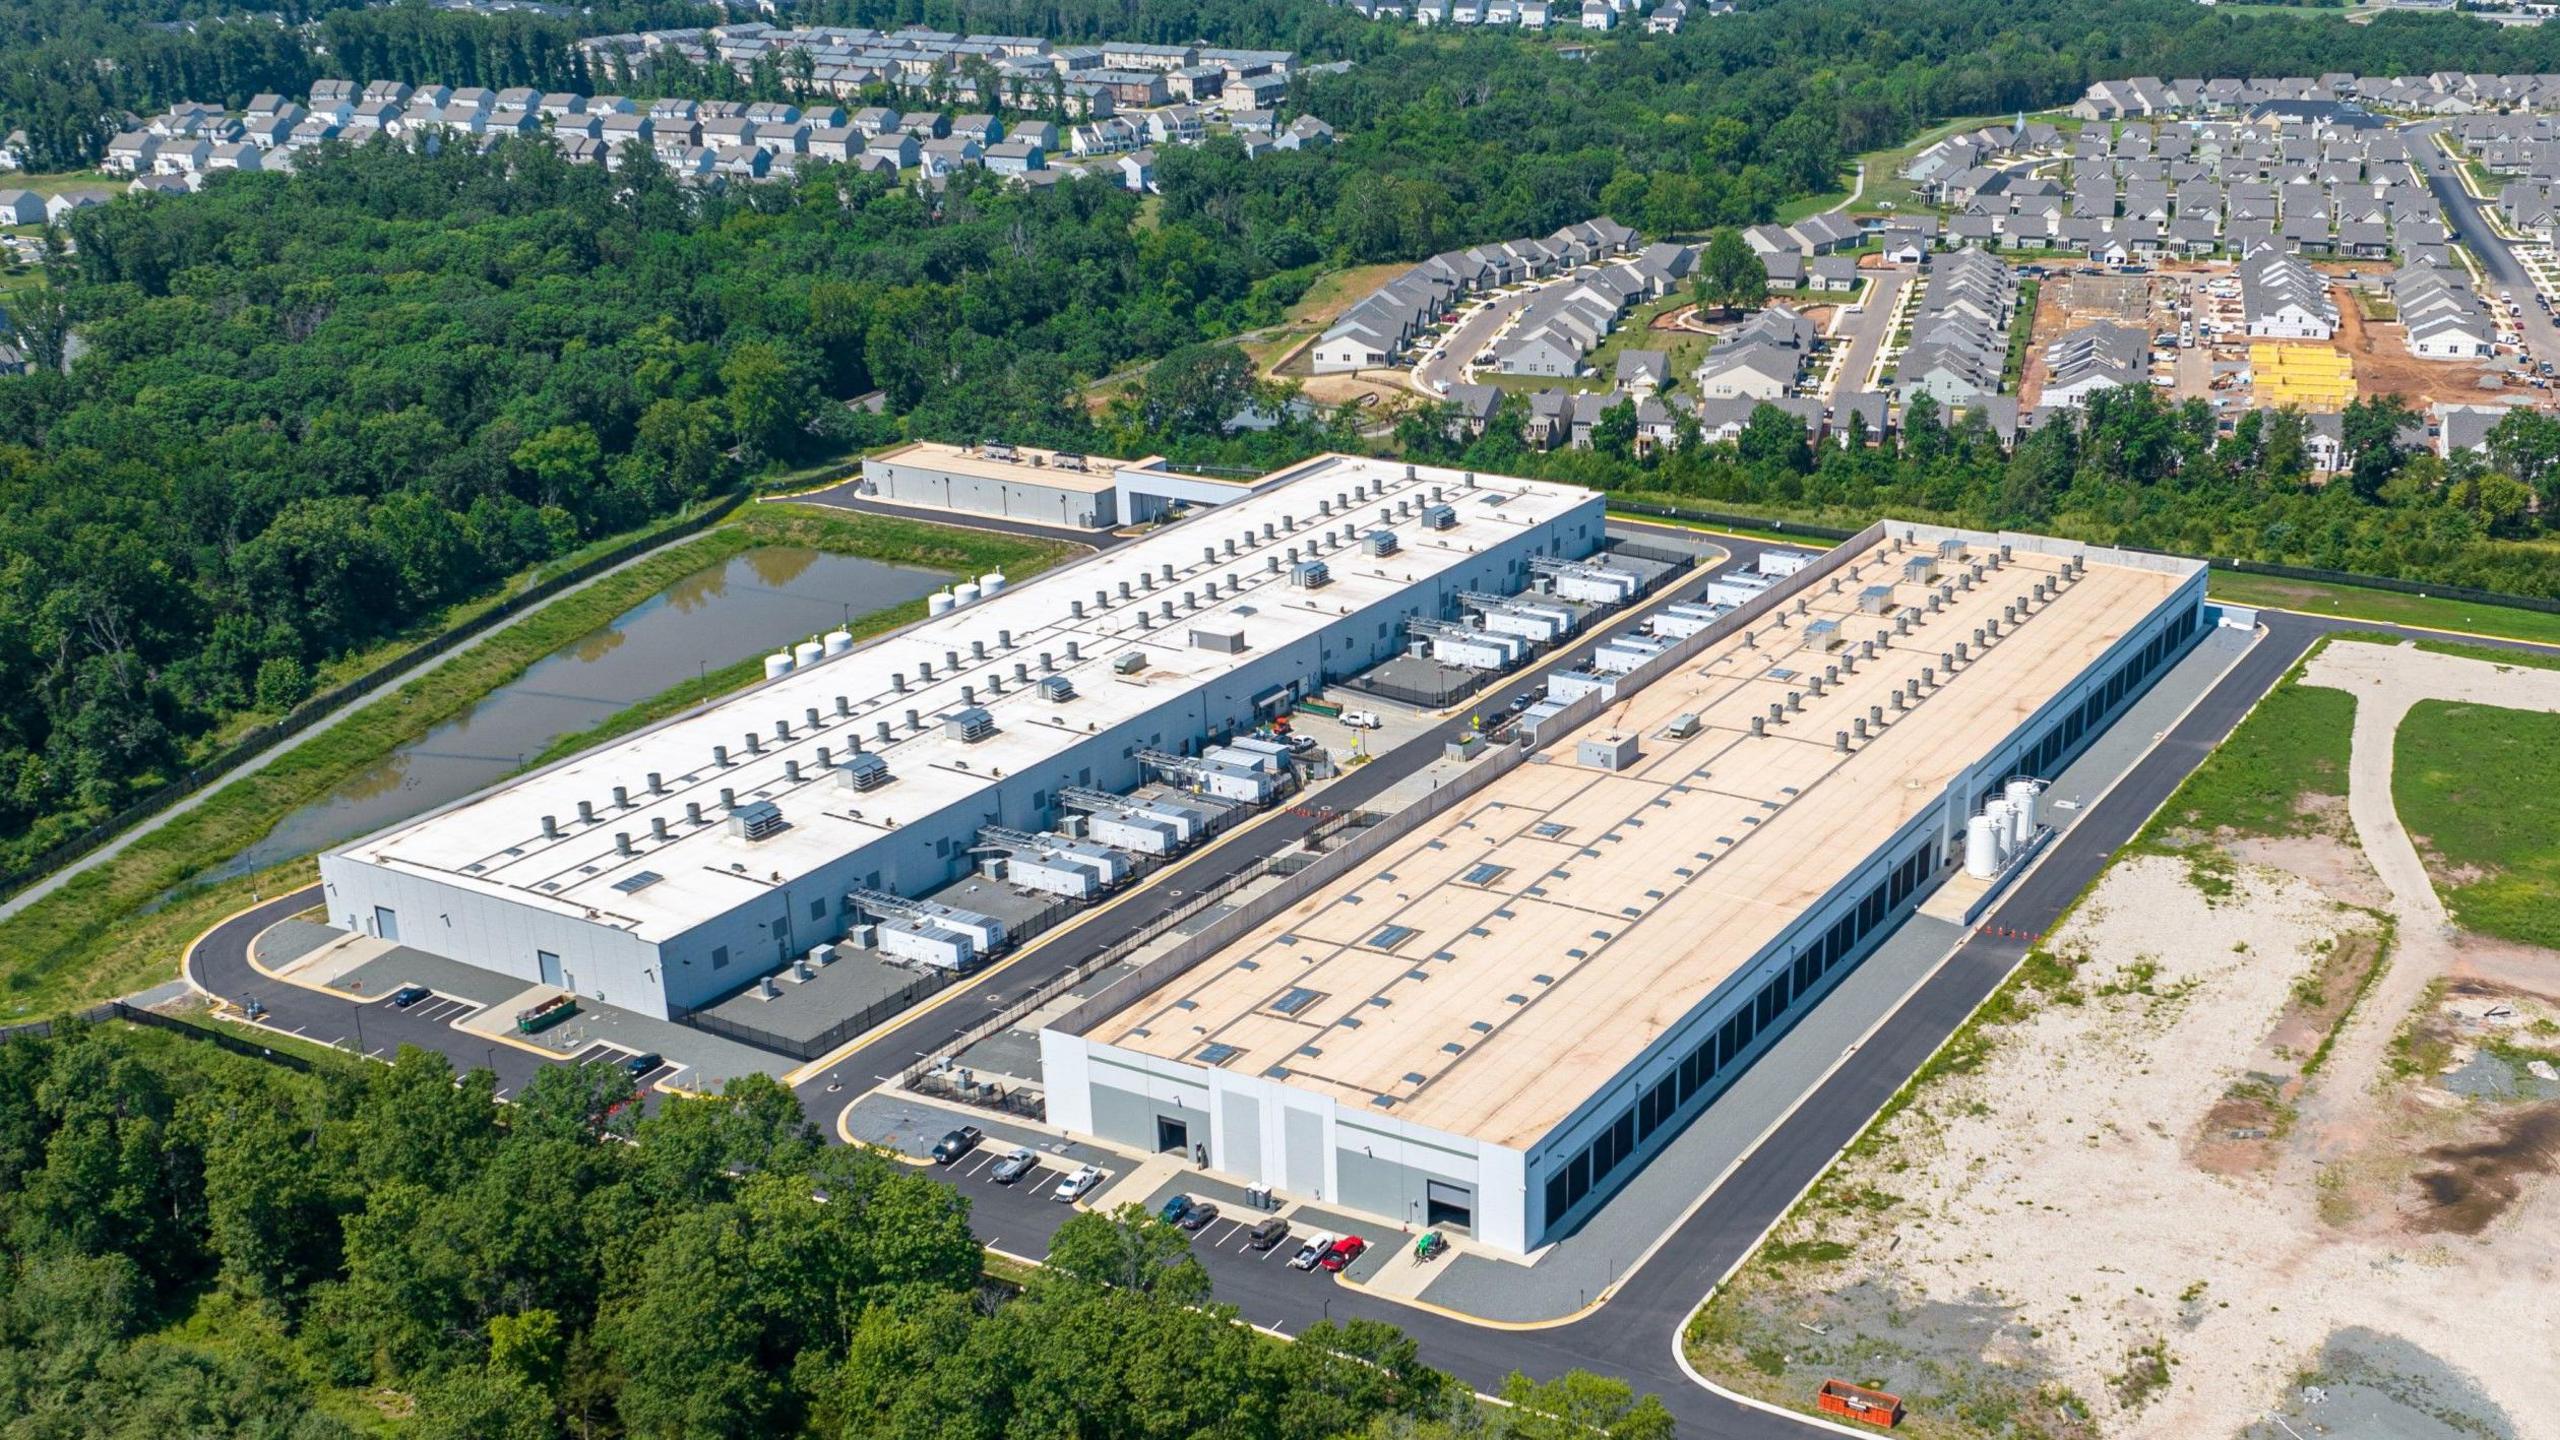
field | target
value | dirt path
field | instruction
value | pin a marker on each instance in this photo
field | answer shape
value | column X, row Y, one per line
column 2386, row 681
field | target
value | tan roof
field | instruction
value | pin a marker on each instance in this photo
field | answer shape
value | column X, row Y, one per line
column 1665, row 878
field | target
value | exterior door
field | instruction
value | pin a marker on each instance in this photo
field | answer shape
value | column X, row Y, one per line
column 1173, row 1135
column 386, row 922
column 550, row 964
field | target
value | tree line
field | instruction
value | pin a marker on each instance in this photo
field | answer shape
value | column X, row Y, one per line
column 196, row 1243
column 2133, row 470
column 311, row 409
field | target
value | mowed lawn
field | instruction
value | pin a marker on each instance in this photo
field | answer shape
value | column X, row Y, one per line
column 2473, row 784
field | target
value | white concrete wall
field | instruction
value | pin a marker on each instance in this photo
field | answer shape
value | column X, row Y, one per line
column 495, row 933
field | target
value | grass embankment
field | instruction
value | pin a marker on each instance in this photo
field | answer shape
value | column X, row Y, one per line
column 2492, row 845
column 101, row 934
column 1747, row 532
column 1022, row 559
column 330, row 674
column 2290, row 752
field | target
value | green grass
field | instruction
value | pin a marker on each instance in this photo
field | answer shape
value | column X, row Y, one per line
column 2021, row 336
column 2291, row 748
column 2355, row 602
column 59, row 181
column 101, row 934
column 2492, row 844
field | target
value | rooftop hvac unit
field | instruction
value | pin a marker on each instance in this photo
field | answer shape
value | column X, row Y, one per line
column 998, row 450
column 1380, row 542
column 1129, row 662
column 865, row 770
column 1309, row 574
column 1440, row 517
column 1068, row 460
column 969, row 724
column 756, row 820
column 1057, row 687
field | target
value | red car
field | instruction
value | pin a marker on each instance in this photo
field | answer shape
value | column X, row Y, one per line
column 1344, row 1251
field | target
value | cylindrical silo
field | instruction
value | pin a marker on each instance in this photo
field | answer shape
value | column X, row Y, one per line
column 777, row 665
column 1981, row 848
column 807, row 652
column 991, row 582
column 2022, row 810
column 938, row 603
column 839, row 641
column 1997, row 812
column 964, row 593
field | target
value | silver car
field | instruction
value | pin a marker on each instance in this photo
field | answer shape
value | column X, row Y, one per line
column 1013, row 1165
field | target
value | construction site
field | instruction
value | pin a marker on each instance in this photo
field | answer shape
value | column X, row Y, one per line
column 2264, row 1129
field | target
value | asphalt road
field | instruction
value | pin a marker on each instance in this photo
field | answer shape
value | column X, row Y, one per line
column 2463, row 214
column 1468, row 337
column 1636, row 1333
column 1867, row 331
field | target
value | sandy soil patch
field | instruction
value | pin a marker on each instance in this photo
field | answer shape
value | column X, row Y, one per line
column 2213, row 1171
column 2120, row 1182
column 2384, row 365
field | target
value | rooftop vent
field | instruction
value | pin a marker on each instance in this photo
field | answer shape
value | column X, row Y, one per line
column 864, row 770
column 969, row 724
column 757, row 820
column 1057, row 687
column 1381, row 542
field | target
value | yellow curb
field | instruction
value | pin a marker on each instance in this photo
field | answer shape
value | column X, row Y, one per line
column 251, row 950
column 187, row 957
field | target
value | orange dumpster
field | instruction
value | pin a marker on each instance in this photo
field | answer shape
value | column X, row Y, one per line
column 1857, row 1402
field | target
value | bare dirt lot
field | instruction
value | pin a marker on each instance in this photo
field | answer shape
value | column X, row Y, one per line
column 2384, row 366
column 2261, row 1147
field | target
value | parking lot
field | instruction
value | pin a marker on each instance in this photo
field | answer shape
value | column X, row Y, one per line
column 436, row 1009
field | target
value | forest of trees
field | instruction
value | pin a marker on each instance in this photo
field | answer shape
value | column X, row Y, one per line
column 313, row 408
column 2137, row 471
column 194, row 1243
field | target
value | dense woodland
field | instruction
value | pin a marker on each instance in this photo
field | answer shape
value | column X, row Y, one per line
column 314, row 408
column 310, row 410
column 193, row 1243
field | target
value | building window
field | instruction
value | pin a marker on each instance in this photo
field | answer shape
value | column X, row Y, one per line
column 720, row 958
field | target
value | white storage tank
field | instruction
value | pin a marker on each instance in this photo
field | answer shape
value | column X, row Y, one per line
column 839, row 641
column 991, row 582
column 2022, row 810
column 807, row 652
column 1981, row 848
column 1998, row 813
column 964, row 593
column 777, row 665
column 938, row 603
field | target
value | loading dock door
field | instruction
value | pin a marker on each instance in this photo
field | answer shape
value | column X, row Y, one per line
column 386, row 922
column 1172, row 1135
column 1448, row 1207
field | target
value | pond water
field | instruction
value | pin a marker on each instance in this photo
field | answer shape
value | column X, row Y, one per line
column 758, row 601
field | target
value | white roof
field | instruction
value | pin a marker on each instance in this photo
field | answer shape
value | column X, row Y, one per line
column 494, row 842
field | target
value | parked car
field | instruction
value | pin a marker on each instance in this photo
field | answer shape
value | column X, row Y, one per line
column 408, row 995
column 1344, row 1251
column 1199, row 1215
column 1362, row 720
column 1017, row 1162
column 956, row 1144
column 1076, row 1184
column 1317, row 1247
column 1175, row 1208
column 1268, row 1234
column 642, row 1063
